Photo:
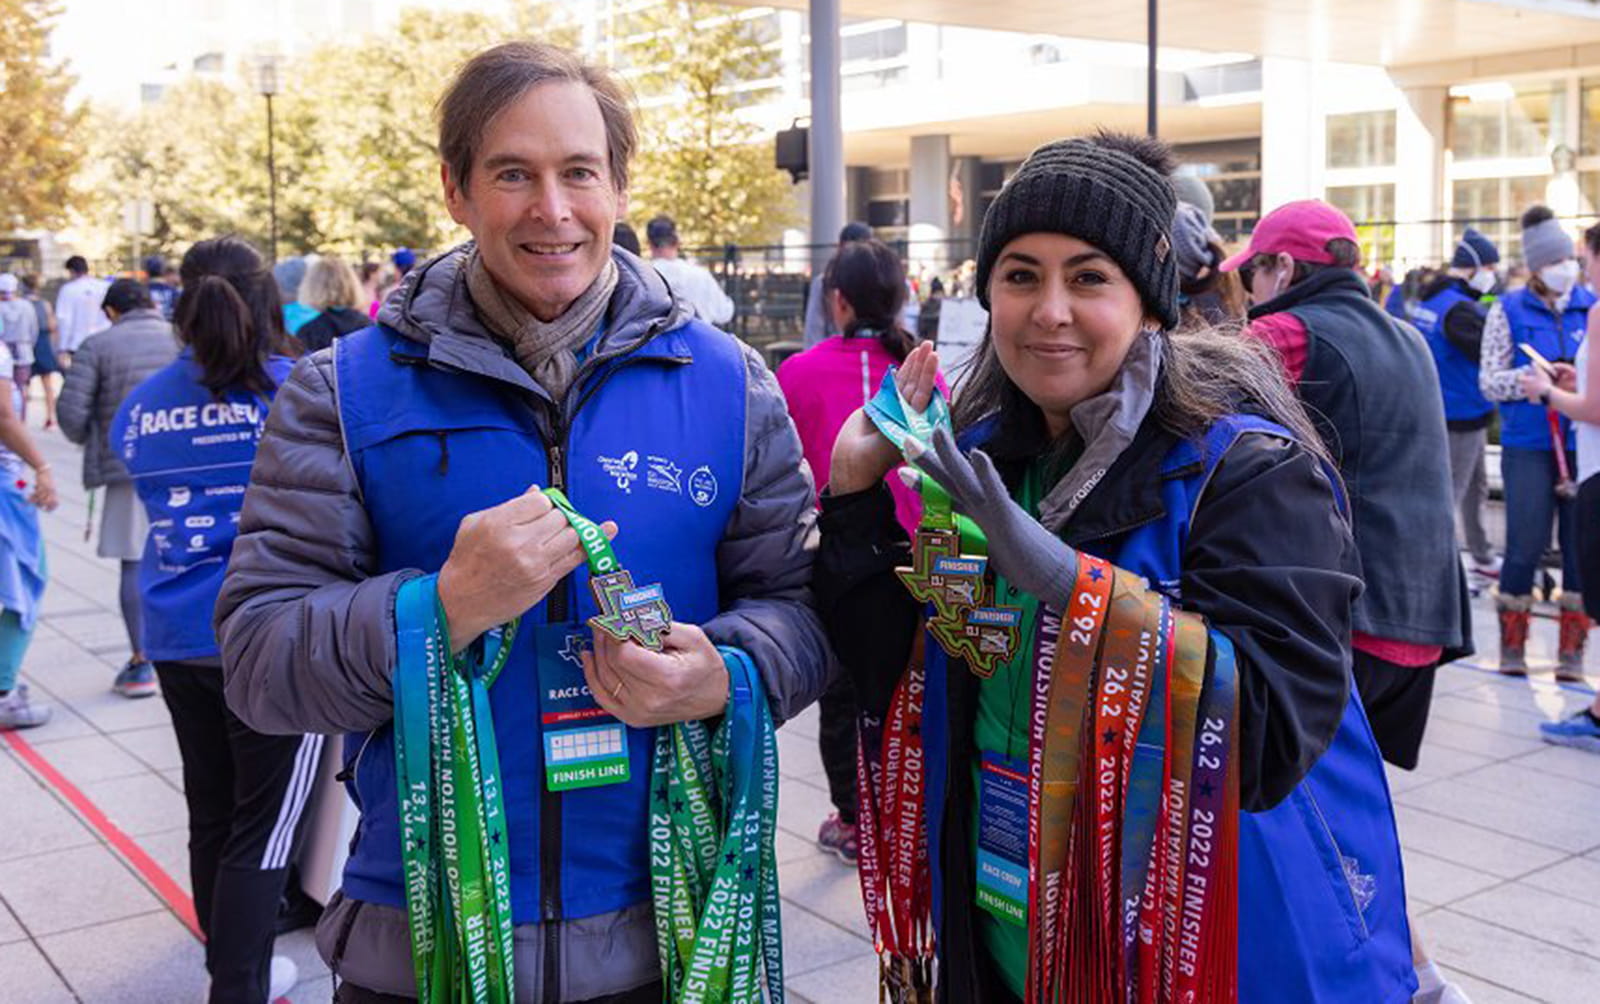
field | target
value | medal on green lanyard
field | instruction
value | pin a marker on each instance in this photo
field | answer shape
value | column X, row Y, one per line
column 454, row 845
column 627, row 612
column 949, row 565
column 713, row 810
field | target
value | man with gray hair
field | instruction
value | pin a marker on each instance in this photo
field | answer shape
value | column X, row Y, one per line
column 400, row 461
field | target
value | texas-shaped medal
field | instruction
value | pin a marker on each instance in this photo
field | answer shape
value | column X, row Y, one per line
column 958, row 588
column 627, row 611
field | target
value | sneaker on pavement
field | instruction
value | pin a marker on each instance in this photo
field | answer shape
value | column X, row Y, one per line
column 285, row 974
column 17, row 712
column 838, row 837
column 1488, row 569
column 1580, row 731
column 136, row 679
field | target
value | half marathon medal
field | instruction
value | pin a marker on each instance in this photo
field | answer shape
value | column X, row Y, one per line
column 956, row 584
column 627, row 612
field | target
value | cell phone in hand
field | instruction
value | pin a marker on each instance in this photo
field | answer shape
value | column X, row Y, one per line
column 1540, row 361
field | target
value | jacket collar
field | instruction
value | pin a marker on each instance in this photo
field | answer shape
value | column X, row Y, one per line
column 1128, row 496
column 1341, row 281
column 432, row 310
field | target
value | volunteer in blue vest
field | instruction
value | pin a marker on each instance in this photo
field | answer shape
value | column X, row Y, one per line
column 1574, row 391
column 1549, row 315
column 187, row 435
column 1450, row 316
column 1087, row 429
column 537, row 355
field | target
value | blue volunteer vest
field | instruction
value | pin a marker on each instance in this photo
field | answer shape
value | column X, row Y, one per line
column 658, row 446
column 1322, row 906
column 1524, row 425
column 1458, row 375
column 190, row 455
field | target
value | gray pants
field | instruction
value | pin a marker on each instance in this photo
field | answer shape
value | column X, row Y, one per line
column 1470, row 482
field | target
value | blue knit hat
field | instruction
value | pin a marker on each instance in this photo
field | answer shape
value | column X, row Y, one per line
column 1474, row 251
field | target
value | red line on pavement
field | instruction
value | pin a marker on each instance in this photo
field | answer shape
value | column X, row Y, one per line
column 176, row 899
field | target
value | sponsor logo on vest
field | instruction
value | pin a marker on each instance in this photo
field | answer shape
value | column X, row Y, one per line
column 624, row 469
column 177, row 498
column 199, row 522
column 664, row 475
column 703, row 486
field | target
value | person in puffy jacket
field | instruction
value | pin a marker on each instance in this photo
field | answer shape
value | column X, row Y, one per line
column 105, row 369
column 537, row 355
column 1086, row 427
column 187, row 435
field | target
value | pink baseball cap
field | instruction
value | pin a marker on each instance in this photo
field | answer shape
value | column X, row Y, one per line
column 1300, row 230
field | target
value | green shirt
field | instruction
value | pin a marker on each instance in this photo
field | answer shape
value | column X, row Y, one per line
column 1005, row 704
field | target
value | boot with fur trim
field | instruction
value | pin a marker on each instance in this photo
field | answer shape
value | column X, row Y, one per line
column 1515, row 613
column 1575, row 625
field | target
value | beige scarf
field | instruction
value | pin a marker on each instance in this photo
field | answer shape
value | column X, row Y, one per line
column 547, row 350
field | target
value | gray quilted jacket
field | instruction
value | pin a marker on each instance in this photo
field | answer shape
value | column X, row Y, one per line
column 104, row 370
column 306, row 624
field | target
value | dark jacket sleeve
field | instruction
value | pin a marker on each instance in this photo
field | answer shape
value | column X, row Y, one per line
column 1271, row 564
column 765, row 557
column 75, row 405
column 1463, row 328
column 305, row 622
column 870, row 618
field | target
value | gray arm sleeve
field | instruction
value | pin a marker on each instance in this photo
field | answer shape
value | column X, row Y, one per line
column 305, row 623
column 764, row 560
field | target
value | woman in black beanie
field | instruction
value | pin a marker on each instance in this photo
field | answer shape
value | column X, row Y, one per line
column 1154, row 777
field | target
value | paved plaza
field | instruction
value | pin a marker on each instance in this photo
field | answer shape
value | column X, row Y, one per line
column 1502, row 833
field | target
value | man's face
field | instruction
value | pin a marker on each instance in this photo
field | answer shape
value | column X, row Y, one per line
column 540, row 201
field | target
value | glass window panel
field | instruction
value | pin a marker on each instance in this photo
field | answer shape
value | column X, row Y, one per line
column 1363, row 139
column 1589, row 118
column 1371, row 208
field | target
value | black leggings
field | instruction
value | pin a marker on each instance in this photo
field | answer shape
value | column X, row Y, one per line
column 246, row 794
column 1589, row 542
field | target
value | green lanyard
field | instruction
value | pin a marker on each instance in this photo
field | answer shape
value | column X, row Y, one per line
column 713, row 871
column 713, row 811
column 452, row 815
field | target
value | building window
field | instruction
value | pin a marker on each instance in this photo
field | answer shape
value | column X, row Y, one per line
column 1490, row 121
column 884, row 43
column 889, row 202
column 1232, row 170
column 1589, row 117
column 1364, row 139
column 1371, row 208
column 1494, row 206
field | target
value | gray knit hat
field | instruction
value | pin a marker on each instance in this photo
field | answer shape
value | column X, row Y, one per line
column 1099, row 191
column 1544, row 242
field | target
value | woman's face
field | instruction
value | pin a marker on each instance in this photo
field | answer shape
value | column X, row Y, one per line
column 1063, row 316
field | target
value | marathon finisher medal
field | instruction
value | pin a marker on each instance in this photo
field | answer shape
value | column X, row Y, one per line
column 627, row 611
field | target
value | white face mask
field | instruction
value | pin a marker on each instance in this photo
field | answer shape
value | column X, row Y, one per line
column 1482, row 280
column 1560, row 277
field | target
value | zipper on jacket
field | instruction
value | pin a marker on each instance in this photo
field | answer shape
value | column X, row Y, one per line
column 557, row 610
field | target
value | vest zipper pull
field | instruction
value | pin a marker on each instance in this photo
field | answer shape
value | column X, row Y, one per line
column 558, row 471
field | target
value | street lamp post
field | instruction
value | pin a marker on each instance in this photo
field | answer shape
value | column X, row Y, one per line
column 267, row 84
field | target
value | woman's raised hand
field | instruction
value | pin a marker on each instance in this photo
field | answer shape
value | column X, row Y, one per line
column 861, row 454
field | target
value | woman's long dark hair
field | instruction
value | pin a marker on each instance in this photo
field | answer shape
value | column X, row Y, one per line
column 230, row 314
column 871, row 279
